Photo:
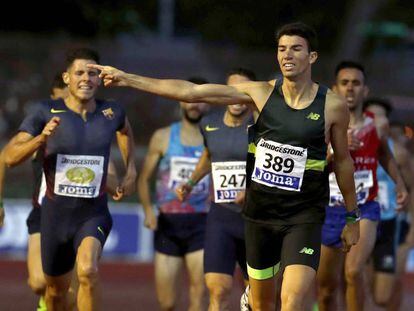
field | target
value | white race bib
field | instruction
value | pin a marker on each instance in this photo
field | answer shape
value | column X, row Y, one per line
column 229, row 178
column 181, row 169
column 78, row 175
column 279, row 165
column 364, row 181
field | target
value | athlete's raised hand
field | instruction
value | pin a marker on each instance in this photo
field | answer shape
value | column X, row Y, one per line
column 350, row 236
column 50, row 127
column 111, row 76
column 182, row 191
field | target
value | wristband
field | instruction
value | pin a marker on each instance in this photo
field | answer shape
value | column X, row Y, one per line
column 353, row 216
column 1, row 204
column 351, row 219
column 191, row 182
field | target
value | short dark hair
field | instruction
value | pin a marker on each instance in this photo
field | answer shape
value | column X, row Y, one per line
column 299, row 29
column 197, row 80
column 58, row 82
column 345, row 64
column 249, row 74
column 383, row 102
column 82, row 53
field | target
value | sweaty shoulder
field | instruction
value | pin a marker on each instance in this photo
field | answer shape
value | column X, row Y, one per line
column 160, row 139
column 259, row 91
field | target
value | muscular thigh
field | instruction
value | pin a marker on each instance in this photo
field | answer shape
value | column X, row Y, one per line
column 359, row 254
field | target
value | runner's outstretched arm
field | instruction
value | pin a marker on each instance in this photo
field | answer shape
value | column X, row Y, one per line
column 179, row 90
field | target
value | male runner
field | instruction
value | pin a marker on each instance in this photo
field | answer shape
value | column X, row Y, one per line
column 285, row 201
column 179, row 230
column 385, row 249
column 225, row 142
column 367, row 147
column 74, row 136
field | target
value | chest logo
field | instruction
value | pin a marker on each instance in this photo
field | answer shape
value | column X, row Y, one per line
column 313, row 116
column 211, row 129
column 56, row 110
column 108, row 113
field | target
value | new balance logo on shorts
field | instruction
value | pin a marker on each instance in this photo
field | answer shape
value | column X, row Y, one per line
column 307, row 251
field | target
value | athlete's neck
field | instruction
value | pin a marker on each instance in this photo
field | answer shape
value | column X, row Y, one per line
column 190, row 133
column 356, row 117
column 80, row 107
column 299, row 93
column 234, row 121
column 189, row 127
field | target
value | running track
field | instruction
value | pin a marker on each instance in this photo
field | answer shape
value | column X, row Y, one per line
column 125, row 287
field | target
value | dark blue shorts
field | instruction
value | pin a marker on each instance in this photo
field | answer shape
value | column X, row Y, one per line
column 224, row 243
column 180, row 234
column 404, row 227
column 384, row 252
column 335, row 221
column 33, row 221
column 65, row 222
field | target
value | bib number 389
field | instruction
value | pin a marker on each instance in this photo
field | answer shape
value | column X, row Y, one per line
column 279, row 165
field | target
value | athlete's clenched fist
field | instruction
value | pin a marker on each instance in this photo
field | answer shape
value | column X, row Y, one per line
column 50, row 127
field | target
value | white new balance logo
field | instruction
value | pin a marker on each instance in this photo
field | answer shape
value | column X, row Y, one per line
column 307, row 251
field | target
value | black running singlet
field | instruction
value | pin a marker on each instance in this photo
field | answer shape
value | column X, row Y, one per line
column 289, row 180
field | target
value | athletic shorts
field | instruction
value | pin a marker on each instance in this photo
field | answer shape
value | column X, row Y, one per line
column 270, row 248
column 33, row 221
column 384, row 253
column 404, row 229
column 65, row 223
column 180, row 234
column 335, row 221
column 224, row 241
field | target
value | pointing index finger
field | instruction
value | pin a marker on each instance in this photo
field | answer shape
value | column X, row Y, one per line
column 96, row 66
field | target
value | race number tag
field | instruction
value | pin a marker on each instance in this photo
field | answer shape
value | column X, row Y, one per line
column 78, row 175
column 229, row 178
column 279, row 165
column 383, row 196
column 364, row 181
column 181, row 169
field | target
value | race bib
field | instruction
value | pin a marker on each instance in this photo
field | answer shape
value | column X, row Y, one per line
column 181, row 169
column 229, row 178
column 78, row 175
column 279, row 165
column 364, row 181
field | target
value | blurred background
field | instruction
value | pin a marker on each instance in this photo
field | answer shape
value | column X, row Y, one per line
column 174, row 38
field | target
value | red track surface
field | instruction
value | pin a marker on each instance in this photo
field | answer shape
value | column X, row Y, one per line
column 125, row 287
